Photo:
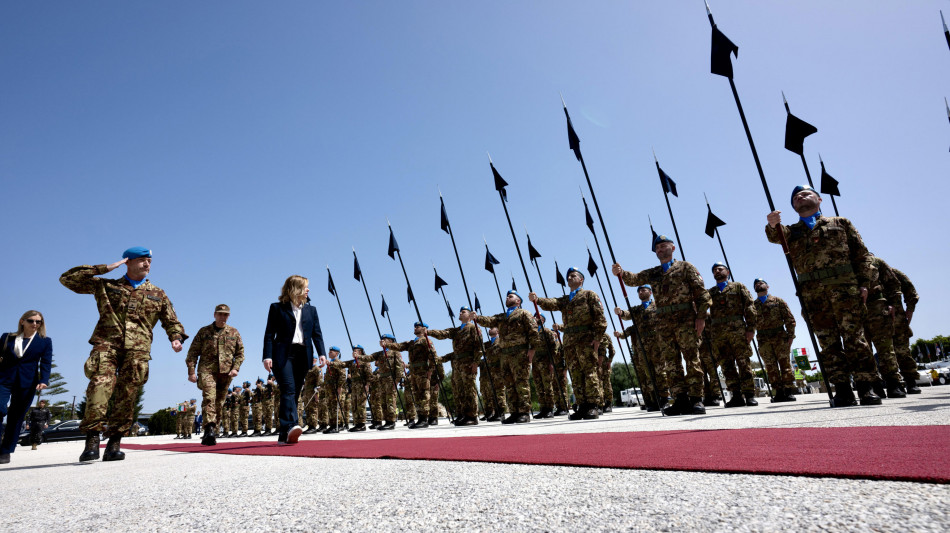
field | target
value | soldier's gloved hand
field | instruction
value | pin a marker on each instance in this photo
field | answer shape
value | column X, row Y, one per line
column 774, row 218
column 618, row 311
column 193, row 378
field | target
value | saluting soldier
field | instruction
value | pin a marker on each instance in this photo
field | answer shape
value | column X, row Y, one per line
column 834, row 269
column 732, row 327
column 391, row 368
column 584, row 327
column 422, row 363
column 681, row 301
column 332, row 391
column 491, row 374
column 466, row 352
column 645, row 318
column 775, row 333
column 213, row 360
column 360, row 375
column 117, row 368
column 902, row 332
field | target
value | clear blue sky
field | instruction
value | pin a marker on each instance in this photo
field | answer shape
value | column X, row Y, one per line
column 246, row 141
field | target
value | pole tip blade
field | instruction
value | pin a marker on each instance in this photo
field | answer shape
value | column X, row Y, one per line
column 565, row 105
column 489, row 157
column 708, row 12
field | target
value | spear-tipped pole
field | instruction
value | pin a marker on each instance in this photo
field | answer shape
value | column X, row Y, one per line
column 342, row 315
column 946, row 31
column 558, row 270
column 669, row 208
column 781, row 234
column 802, row 155
column 448, row 308
column 495, row 277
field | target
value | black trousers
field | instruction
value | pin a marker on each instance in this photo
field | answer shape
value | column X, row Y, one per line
column 290, row 376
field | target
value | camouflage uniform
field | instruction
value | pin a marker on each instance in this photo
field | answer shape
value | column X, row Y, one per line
column 517, row 333
column 584, row 322
column 490, row 373
column 213, row 355
column 465, row 355
column 435, row 388
column 902, row 331
column 308, row 396
column 775, row 333
column 391, row 368
column 407, row 395
column 235, row 412
column 122, row 342
column 884, row 290
column 180, row 415
column 225, row 414
column 267, row 407
column 605, row 356
column 542, row 371
column 361, row 374
column 422, row 362
column 375, row 407
column 732, row 317
column 712, row 386
column 680, row 299
column 645, row 319
column 276, row 406
column 331, row 393
column 257, row 397
column 832, row 264
column 191, row 412
column 245, row 409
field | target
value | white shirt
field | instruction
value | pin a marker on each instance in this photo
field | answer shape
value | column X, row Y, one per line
column 298, row 333
column 18, row 348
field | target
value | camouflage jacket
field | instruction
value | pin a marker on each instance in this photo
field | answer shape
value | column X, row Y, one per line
column 584, row 318
column 228, row 402
column 774, row 318
column 465, row 342
column 831, row 253
column 907, row 289
column 492, row 354
column 360, row 372
column 732, row 308
column 515, row 331
column 257, row 395
column 884, row 284
column 313, row 379
column 191, row 410
column 269, row 391
column 126, row 315
column 215, row 351
column 336, row 374
column 421, row 353
column 606, row 349
column 678, row 292
column 385, row 362
column 645, row 320
column 245, row 397
column 548, row 345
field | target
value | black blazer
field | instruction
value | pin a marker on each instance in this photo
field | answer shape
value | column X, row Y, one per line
column 22, row 371
column 279, row 332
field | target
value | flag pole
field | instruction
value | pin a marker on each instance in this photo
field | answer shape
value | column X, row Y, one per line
column 785, row 248
column 823, row 173
column 666, row 196
column 493, row 275
column 333, row 291
column 802, row 155
column 557, row 271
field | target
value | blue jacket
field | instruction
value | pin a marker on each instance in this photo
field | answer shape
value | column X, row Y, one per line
column 279, row 332
column 22, row 372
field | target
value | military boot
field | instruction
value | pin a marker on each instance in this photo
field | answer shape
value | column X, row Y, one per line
column 750, row 399
column 697, row 407
column 559, row 412
column 91, row 452
column 911, row 385
column 511, row 419
column 895, row 389
column 330, row 430
column 421, row 424
column 386, row 426
column 433, row 421
column 374, row 425
column 545, row 412
column 358, row 427
column 711, row 401
column 878, row 388
column 112, row 449
column 310, row 431
column 736, row 401
column 608, row 408
column 844, row 396
column 679, row 406
column 523, row 418
column 579, row 414
column 866, row 394
column 209, row 437
column 34, row 446
column 257, row 433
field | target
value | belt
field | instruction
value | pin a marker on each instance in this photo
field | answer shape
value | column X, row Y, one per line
column 577, row 329
column 419, row 364
column 825, row 273
column 771, row 331
column 386, row 375
column 464, row 355
column 673, row 308
column 508, row 350
column 725, row 319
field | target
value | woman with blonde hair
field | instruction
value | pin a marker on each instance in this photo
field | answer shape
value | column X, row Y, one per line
column 26, row 358
column 292, row 332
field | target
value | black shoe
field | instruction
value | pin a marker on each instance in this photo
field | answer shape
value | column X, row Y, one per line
column 484, row 418
column 311, row 431
column 592, row 413
column 433, row 421
column 650, row 407
column 467, row 421
column 697, row 407
column 494, row 418
column 112, row 450
column 736, row 401
column 680, row 406
column 331, row 430
column 608, row 408
column 321, row 427
column 177, row 437
column 844, row 396
column 422, row 424
column 560, row 412
column 281, row 438
column 750, row 400
column 208, row 439
column 643, row 407
column 867, row 395
column 550, row 414
column 4, row 458
column 523, row 418
column 256, row 434
column 91, row 453
column 511, row 419
column 374, row 425
column 910, row 385
column 577, row 415
column 387, row 426
column 879, row 389
column 711, row 401
column 358, row 427
column 233, row 435
column 543, row 413
column 895, row 389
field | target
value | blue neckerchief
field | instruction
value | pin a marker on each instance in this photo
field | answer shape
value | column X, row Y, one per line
column 573, row 294
column 762, row 298
column 722, row 285
column 509, row 311
column 811, row 221
column 666, row 266
column 133, row 283
column 492, row 339
column 646, row 303
column 464, row 324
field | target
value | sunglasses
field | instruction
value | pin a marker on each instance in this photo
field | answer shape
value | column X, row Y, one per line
column 32, row 321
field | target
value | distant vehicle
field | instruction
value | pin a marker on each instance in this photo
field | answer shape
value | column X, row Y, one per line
column 143, row 430
column 628, row 397
column 943, row 371
column 68, row 430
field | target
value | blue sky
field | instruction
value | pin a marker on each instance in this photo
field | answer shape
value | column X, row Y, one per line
column 244, row 142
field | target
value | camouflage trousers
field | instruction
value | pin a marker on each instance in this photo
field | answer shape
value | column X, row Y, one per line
column 880, row 332
column 332, row 402
column 214, row 388
column 117, row 375
column 466, row 397
column 735, row 357
column 562, row 398
column 605, row 372
column 267, row 414
column 775, row 351
column 655, row 350
column 678, row 329
column 275, row 422
column 256, row 416
column 838, row 316
column 420, row 392
column 517, row 371
column 485, row 384
column 583, row 365
column 225, row 422
column 235, row 419
column 408, row 398
column 542, row 371
column 712, row 387
column 375, row 399
column 243, row 413
column 388, row 397
column 435, row 390
column 180, row 424
column 360, row 394
column 902, row 335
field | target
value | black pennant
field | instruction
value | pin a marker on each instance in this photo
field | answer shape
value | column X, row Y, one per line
column 720, row 63
column 591, row 264
column 560, row 278
column 409, row 295
column 796, row 130
column 445, row 220
column 478, row 305
column 500, row 184
column 946, row 31
column 330, row 286
column 829, row 185
column 490, row 261
column 572, row 139
column 357, row 273
column 449, row 307
column 513, row 286
column 439, row 282
column 393, row 247
column 532, row 252
column 588, row 219
column 653, row 239
column 712, row 222
column 669, row 186
column 384, row 308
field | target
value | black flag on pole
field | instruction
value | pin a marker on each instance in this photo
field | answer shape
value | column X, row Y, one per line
column 357, row 273
column 829, row 185
column 439, row 282
column 591, row 264
column 946, row 31
column 669, row 186
column 572, row 139
column 409, row 295
column 490, row 261
column 587, row 218
column 449, row 307
column 532, row 252
column 720, row 62
column 513, row 286
column 796, row 130
column 653, row 239
column 393, row 247
column 330, row 286
column 383, row 309
column 478, row 305
column 445, row 220
column 500, row 183
column 560, row 279
column 712, row 222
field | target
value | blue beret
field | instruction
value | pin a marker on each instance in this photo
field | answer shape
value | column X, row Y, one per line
column 801, row 188
column 572, row 269
column 662, row 238
column 270, row 376
column 259, row 380
column 758, row 280
column 719, row 264
column 135, row 252
column 421, row 324
column 645, row 286
column 386, row 336
column 516, row 294
column 247, row 383
column 465, row 308
column 334, row 348
column 194, row 400
column 360, row 346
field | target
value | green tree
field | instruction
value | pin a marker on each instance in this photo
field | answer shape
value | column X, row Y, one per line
column 162, row 422
column 621, row 378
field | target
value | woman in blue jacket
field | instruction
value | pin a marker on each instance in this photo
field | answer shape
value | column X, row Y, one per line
column 26, row 358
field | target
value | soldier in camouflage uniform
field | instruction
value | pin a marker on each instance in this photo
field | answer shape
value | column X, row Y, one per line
column 584, row 327
column 681, row 302
column 235, row 411
column 731, row 328
column 605, row 357
column 376, row 408
column 542, row 370
column 775, row 333
column 712, row 387
column 270, row 393
column 518, row 337
column 490, row 378
column 360, row 376
column 884, row 297
column 331, row 393
column 191, row 412
column 309, row 397
column 213, row 360
column 902, row 332
column 244, row 408
column 180, row 420
column 466, row 351
column 257, row 399
column 391, row 368
column 129, row 308
column 422, row 363
column 225, row 415
column 435, row 391
column 645, row 318
column 834, row 269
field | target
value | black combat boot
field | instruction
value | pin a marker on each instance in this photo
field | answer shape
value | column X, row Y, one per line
column 895, row 389
column 257, row 433
column 467, row 421
column 608, row 408
column 522, row 418
column 750, row 399
column 579, row 414
column 310, row 431
column 330, row 430
column 844, row 396
column 736, row 401
column 866, row 394
column 697, row 407
column 421, row 424
column 878, row 388
column 374, row 425
column 433, row 421
column 676, row 408
column 358, row 427
column 112, row 449
column 545, row 412
column 511, row 419
column 559, row 412
column 711, row 401
column 209, row 437
column 910, row 384
column 91, row 452
column 592, row 413
column 387, row 426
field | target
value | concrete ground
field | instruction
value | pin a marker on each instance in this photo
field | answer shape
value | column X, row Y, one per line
column 162, row 491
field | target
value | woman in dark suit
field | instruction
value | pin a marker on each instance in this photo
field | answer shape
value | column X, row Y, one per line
column 292, row 332
column 26, row 358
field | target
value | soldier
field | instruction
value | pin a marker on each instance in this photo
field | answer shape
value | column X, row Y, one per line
column 834, row 269
column 645, row 318
column 257, row 398
column 407, row 396
column 605, row 357
column 903, row 333
column 267, row 406
column 518, row 337
column 244, row 408
column 490, row 378
column 332, row 391
column 236, row 411
column 180, row 420
column 466, row 351
column 681, row 302
column 884, row 296
column 191, row 411
column 213, row 360
column 308, row 395
column 731, row 328
column 390, row 367
column 276, row 405
column 584, row 327
column 775, row 333
column 712, row 386
column 129, row 308
column 422, row 363
column 360, row 374
column 225, row 414
column 376, row 408
column 542, row 371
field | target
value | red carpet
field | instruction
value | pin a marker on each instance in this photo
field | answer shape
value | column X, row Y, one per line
column 904, row 453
